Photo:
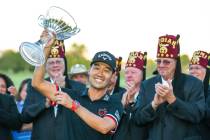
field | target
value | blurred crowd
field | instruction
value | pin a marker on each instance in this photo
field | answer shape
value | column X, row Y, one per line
column 90, row 103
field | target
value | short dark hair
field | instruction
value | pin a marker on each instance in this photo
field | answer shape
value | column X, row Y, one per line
column 25, row 81
column 7, row 80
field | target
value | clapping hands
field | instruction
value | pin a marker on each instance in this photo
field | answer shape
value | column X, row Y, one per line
column 164, row 93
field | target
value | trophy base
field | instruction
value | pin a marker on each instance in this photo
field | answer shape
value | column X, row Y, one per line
column 32, row 53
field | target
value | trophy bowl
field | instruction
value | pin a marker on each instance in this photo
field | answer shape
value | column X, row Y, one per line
column 57, row 21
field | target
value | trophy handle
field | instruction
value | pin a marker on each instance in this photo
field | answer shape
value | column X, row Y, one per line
column 62, row 10
column 42, row 21
column 76, row 30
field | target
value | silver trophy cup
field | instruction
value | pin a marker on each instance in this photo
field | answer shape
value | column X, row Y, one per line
column 57, row 21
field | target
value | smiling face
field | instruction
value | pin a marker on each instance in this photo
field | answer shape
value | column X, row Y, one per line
column 133, row 75
column 55, row 66
column 197, row 71
column 100, row 75
column 166, row 67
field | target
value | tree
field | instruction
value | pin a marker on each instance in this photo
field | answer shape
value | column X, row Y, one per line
column 151, row 67
column 11, row 60
column 77, row 54
column 185, row 62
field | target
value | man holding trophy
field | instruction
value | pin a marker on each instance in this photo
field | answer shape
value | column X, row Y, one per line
column 90, row 114
column 39, row 110
column 93, row 111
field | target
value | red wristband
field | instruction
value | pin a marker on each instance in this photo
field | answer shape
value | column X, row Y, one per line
column 75, row 105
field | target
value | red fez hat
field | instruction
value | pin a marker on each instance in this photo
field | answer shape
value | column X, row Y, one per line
column 136, row 60
column 168, row 46
column 58, row 50
column 200, row 58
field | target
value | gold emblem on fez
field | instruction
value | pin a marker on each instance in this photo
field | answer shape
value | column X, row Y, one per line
column 54, row 51
column 163, row 49
column 131, row 59
column 195, row 59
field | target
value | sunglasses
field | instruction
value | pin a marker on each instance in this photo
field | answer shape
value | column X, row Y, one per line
column 164, row 62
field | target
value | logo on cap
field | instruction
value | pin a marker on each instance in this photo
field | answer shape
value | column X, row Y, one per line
column 104, row 56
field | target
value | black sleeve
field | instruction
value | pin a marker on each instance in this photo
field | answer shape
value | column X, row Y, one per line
column 144, row 113
column 207, row 117
column 193, row 108
column 33, row 106
column 10, row 117
column 115, row 111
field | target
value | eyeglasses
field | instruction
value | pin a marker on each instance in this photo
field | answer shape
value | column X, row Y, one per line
column 194, row 68
column 164, row 62
column 58, row 62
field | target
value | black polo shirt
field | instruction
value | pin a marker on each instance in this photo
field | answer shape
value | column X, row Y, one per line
column 106, row 106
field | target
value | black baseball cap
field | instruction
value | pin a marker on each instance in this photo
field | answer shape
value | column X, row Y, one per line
column 105, row 57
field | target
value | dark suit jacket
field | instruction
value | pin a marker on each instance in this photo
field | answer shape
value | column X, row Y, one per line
column 9, row 117
column 45, row 125
column 204, row 126
column 176, row 121
column 128, row 129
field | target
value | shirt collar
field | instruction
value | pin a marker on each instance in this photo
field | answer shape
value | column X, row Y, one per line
column 20, row 102
column 164, row 82
column 51, row 80
column 106, row 97
column 136, row 95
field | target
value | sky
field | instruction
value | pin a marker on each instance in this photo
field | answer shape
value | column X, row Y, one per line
column 118, row 26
